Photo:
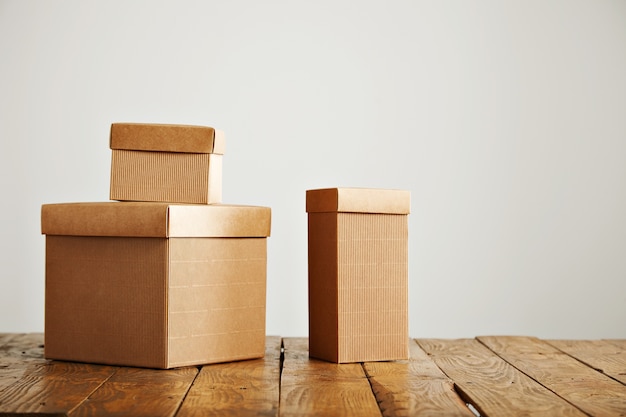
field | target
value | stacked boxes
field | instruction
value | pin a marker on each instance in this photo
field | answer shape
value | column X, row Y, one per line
column 358, row 274
column 157, row 281
column 171, row 163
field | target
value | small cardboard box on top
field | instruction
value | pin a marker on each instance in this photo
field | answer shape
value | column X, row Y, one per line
column 168, row 163
column 153, row 284
column 358, row 274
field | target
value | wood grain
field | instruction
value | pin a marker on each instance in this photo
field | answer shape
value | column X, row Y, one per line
column 139, row 392
column 512, row 376
column 601, row 355
column 620, row 343
column 586, row 388
column 19, row 352
column 52, row 387
column 246, row 388
column 493, row 386
column 30, row 384
column 6, row 337
column 311, row 387
column 416, row 387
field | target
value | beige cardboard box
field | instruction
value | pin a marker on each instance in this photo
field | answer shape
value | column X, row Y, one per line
column 358, row 274
column 169, row 163
column 153, row 284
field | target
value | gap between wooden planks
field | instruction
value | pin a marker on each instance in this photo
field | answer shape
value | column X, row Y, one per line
column 498, row 375
column 31, row 385
column 398, row 388
column 34, row 386
column 591, row 391
column 283, row 384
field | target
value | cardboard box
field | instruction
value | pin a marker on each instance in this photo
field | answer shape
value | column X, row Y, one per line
column 153, row 284
column 358, row 274
column 169, row 163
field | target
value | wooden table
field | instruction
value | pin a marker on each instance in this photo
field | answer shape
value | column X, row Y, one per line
column 487, row 376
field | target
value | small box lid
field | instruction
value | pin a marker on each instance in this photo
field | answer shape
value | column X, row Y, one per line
column 166, row 138
column 358, row 200
column 147, row 219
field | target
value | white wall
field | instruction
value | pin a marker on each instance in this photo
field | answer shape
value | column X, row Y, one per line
column 505, row 119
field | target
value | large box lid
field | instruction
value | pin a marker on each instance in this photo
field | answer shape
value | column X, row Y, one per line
column 148, row 219
column 358, row 200
column 166, row 138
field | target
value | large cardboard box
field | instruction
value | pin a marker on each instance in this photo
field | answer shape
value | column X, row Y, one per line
column 153, row 284
column 169, row 163
column 358, row 274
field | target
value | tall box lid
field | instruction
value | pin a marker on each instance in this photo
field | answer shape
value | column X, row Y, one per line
column 154, row 219
column 167, row 138
column 358, row 200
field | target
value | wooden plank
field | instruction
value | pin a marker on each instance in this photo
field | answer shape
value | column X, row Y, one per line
column 6, row 337
column 491, row 385
column 18, row 347
column 139, row 392
column 416, row 387
column 242, row 388
column 19, row 352
column 620, row 343
column 602, row 355
column 314, row 387
column 52, row 388
column 589, row 390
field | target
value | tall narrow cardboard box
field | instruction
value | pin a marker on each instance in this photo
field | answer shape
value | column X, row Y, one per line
column 168, row 163
column 358, row 274
column 154, row 284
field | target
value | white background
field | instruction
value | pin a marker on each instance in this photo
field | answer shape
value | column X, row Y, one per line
column 505, row 119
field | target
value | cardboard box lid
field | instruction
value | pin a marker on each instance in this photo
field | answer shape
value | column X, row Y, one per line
column 358, row 200
column 147, row 219
column 167, row 138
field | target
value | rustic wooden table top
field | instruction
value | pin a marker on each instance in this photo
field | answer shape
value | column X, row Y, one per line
column 487, row 376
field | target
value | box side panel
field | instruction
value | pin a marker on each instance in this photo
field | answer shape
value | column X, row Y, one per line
column 219, row 220
column 365, row 200
column 216, row 299
column 322, row 252
column 105, row 300
column 166, row 138
column 163, row 176
column 105, row 219
column 358, row 200
column 373, row 287
column 214, row 186
column 219, row 145
column 322, row 200
column 155, row 219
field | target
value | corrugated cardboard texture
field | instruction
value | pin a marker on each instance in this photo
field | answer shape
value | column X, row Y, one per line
column 167, row 138
column 323, row 290
column 150, row 219
column 154, row 301
column 166, row 176
column 358, row 200
column 106, row 300
column 372, row 287
column 216, row 300
column 358, row 282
